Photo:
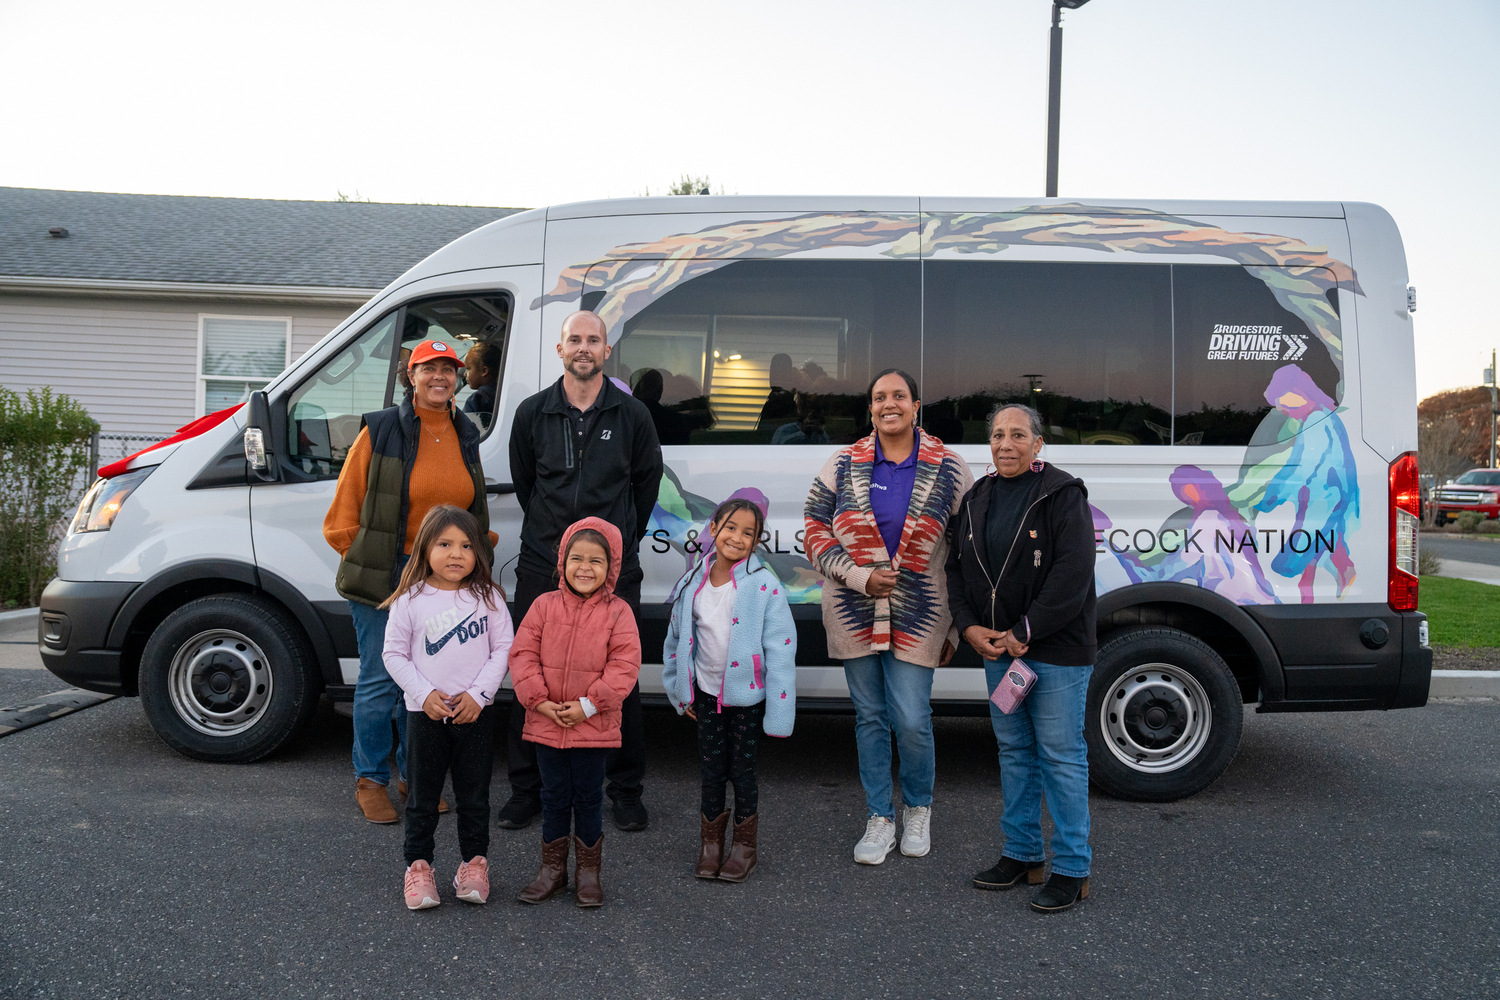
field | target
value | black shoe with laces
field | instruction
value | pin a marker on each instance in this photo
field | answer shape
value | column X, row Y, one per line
column 518, row 812
column 630, row 813
column 1060, row 892
column 1009, row 873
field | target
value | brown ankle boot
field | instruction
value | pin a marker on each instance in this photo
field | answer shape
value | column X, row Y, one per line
column 552, row 878
column 586, row 872
column 742, row 854
column 711, row 851
column 374, row 801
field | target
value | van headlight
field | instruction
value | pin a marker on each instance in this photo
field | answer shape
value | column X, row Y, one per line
column 97, row 510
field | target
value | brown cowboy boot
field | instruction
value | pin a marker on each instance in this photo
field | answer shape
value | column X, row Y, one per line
column 711, row 851
column 742, row 854
column 553, row 876
column 586, row 872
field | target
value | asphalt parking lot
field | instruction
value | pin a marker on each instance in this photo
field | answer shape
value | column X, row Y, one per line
column 1340, row 855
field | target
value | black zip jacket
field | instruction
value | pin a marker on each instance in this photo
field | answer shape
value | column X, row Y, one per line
column 614, row 473
column 1046, row 579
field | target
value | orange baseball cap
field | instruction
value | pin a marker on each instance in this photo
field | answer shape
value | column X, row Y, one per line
column 429, row 349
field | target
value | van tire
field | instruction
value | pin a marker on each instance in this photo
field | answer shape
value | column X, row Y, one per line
column 228, row 678
column 1170, row 680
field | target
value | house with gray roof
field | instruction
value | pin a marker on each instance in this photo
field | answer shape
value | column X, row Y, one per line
column 153, row 310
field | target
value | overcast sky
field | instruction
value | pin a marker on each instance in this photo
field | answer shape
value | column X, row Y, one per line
column 530, row 104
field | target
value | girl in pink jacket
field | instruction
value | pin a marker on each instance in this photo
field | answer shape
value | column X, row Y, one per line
column 575, row 658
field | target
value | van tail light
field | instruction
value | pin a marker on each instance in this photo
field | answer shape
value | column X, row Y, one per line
column 1406, row 499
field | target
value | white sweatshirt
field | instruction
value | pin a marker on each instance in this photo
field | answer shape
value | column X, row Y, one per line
column 448, row 641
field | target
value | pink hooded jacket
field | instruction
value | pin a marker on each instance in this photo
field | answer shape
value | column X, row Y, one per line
column 568, row 647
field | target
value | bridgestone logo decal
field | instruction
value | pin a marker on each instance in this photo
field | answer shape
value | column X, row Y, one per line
column 1254, row 343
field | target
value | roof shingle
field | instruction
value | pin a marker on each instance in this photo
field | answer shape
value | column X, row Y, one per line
column 248, row 241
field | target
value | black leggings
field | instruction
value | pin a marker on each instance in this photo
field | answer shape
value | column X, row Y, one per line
column 433, row 751
column 727, row 741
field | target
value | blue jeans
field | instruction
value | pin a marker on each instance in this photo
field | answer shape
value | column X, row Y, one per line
column 891, row 694
column 1042, row 751
column 377, row 699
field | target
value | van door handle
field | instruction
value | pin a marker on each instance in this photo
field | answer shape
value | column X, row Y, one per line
column 499, row 489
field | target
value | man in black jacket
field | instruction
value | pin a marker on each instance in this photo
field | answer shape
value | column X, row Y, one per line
column 581, row 448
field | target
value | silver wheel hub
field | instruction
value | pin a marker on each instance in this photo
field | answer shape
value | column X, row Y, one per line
column 220, row 682
column 1155, row 718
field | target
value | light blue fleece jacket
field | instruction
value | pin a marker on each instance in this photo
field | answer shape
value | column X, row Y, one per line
column 762, row 645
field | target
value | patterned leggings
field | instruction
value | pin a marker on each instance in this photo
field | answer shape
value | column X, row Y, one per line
column 727, row 741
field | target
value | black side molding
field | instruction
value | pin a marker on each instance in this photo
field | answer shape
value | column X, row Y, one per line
column 499, row 489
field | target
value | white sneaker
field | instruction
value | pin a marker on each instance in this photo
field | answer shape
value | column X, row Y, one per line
column 879, row 838
column 916, row 831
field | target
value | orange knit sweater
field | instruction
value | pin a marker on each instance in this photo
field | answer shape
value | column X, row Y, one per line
column 438, row 477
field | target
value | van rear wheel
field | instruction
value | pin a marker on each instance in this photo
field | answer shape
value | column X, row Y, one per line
column 1163, row 718
column 228, row 678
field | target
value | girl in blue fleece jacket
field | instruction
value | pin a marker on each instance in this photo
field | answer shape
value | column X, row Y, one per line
column 731, row 666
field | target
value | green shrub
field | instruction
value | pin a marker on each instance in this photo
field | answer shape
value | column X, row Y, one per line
column 1490, row 528
column 44, row 470
column 1469, row 521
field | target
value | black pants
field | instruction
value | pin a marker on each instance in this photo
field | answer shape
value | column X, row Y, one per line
column 571, row 796
column 727, row 742
column 626, row 766
column 433, row 751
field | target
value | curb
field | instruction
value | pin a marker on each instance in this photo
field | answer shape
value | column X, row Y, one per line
column 6, row 616
column 1464, row 684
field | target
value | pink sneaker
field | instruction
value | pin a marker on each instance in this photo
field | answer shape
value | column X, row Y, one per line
column 472, row 883
column 421, row 886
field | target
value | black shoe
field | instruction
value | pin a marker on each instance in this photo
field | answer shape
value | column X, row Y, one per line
column 1009, row 873
column 630, row 813
column 518, row 813
column 1060, row 892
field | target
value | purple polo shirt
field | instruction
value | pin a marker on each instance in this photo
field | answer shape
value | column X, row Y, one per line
column 890, row 494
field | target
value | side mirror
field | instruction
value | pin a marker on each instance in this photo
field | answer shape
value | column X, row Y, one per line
column 259, row 456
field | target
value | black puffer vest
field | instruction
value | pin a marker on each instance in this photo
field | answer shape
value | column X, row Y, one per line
column 367, row 573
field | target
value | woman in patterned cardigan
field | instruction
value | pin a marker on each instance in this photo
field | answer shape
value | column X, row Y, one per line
column 877, row 529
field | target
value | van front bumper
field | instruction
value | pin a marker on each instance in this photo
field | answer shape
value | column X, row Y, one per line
column 73, row 628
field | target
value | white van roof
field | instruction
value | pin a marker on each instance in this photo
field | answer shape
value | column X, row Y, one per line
column 697, row 204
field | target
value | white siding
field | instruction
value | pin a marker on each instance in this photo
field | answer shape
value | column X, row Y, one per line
column 132, row 363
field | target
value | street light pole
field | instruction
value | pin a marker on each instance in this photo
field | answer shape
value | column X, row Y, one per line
column 1054, row 90
column 1489, row 381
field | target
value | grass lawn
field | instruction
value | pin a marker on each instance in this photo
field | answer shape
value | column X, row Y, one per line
column 1461, row 612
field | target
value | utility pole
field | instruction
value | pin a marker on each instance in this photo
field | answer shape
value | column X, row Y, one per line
column 1489, row 381
column 1054, row 90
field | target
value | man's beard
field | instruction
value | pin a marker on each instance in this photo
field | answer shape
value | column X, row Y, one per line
column 571, row 367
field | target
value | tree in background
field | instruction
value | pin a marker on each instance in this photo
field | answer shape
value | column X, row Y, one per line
column 688, row 184
column 44, row 470
column 1470, row 409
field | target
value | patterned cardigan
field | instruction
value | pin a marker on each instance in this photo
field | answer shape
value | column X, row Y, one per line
column 845, row 545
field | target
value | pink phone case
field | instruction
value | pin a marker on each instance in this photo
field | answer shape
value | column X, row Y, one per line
column 1013, row 687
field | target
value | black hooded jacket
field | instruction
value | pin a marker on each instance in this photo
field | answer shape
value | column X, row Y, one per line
column 560, row 478
column 1046, row 579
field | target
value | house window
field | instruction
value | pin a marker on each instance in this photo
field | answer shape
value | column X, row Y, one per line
column 237, row 355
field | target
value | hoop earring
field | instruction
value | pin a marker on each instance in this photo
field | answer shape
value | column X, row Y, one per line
column 990, row 470
column 1037, row 465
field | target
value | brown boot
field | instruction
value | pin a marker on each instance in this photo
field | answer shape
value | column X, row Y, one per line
column 374, row 801
column 552, row 878
column 586, row 872
column 742, row 853
column 711, row 853
column 401, row 791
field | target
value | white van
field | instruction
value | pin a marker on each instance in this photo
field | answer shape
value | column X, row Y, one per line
column 1234, row 381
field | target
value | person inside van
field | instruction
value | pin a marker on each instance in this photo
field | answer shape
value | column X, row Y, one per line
column 1021, row 583
column 671, row 427
column 482, row 366
column 425, row 444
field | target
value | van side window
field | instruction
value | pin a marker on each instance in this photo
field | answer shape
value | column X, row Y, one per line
column 771, row 351
column 323, row 413
column 1088, row 344
column 477, row 328
column 1232, row 336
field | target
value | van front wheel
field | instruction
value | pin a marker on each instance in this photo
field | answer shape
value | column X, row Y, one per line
column 228, row 678
column 1163, row 718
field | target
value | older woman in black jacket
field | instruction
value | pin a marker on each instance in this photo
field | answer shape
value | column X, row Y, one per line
column 1021, row 584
